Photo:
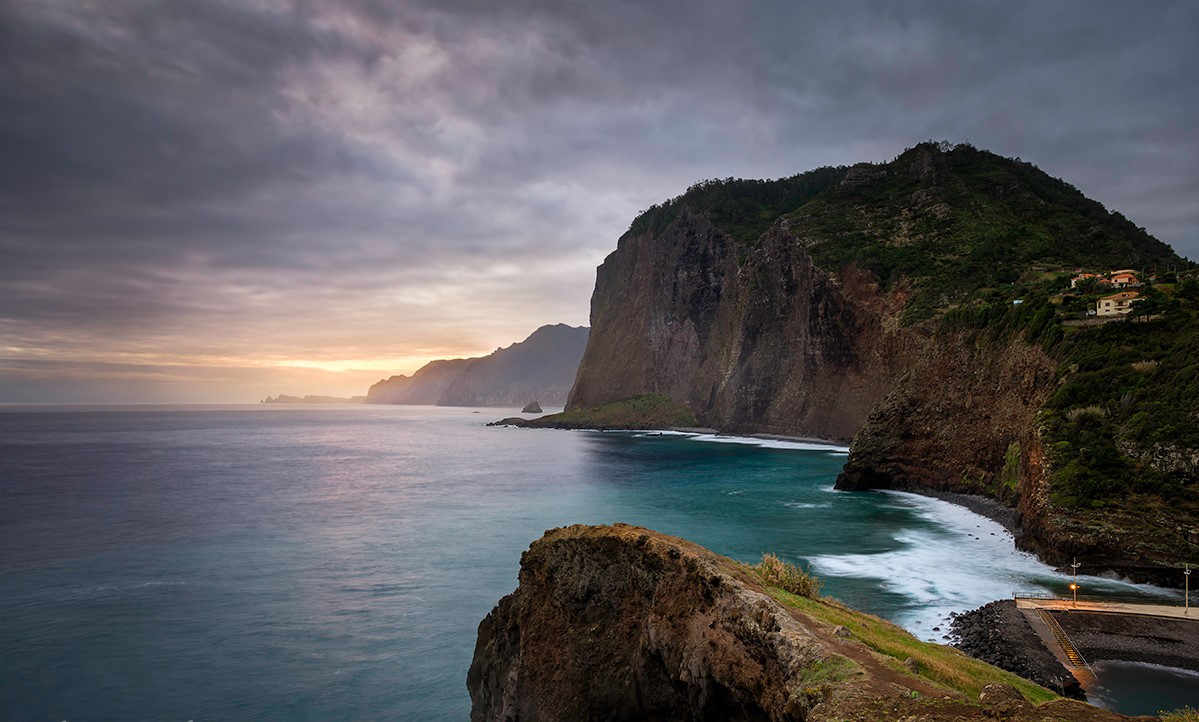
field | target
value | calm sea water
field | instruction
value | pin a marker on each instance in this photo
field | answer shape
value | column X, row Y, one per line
column 332, row 563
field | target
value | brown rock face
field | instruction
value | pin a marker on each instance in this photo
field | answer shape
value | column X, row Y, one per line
column 622, row 623
column 750, row 339
column 961, row 420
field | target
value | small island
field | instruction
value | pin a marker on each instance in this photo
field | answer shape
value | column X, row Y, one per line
column 313, row 399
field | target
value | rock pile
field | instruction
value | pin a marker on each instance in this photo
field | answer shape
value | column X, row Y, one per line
column 998, row 633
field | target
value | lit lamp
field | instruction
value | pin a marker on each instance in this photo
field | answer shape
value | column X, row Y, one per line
column 1074, row 584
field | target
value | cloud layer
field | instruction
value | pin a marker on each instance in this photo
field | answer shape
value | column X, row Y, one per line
column 266, row 183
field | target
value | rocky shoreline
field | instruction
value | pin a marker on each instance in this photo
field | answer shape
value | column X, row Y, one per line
column 981, row 505
column 998, row 633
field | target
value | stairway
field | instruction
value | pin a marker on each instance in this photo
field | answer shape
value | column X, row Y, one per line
column 1060, row 635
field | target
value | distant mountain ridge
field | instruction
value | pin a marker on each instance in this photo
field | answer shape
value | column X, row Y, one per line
column 313, row 399
column 540, row 368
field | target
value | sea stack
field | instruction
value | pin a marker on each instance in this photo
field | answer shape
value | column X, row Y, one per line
column 532, row 408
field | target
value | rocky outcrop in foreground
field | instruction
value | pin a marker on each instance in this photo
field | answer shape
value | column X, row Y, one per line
column 622, row 623
column 998, row 633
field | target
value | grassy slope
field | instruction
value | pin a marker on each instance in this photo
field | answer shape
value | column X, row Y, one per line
column 647, row 411
column 793, row 587
column 937, row 663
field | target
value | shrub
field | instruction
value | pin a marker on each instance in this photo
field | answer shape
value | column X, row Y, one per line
column 788, row 577
column 1078, row 412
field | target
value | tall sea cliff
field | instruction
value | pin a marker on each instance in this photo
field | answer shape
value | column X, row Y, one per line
column 921, row 309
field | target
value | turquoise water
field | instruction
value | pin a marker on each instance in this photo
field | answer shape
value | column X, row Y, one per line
column 1139, row 688
column 332, row 563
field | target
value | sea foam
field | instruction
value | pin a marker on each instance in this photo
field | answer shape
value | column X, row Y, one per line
column 765, row 443
column 959, row 561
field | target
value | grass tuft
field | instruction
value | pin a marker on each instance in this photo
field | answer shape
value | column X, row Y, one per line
column 788, row 577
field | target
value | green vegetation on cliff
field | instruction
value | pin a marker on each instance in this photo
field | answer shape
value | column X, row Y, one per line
column 795, row 588
column 952, row 220
column 742, row 208
column 1127, row 403
column 788, row 577
column 1121, row 425
column 940, row 664
column 647, row 411
column 949, row 219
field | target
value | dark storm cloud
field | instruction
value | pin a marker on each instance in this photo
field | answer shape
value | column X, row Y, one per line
column 323, row 179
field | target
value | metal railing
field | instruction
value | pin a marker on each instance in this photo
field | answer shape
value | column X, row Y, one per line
column 1064, row 642
column 1111, row 598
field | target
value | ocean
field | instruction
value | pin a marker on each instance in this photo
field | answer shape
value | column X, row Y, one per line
column 333, row 562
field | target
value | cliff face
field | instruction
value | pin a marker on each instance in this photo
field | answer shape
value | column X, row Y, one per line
column 961, row 419
column 636, row 626
column 622, row 623
column 907, row 307
column 426, row 387
column 751, row 339
column 540, row 368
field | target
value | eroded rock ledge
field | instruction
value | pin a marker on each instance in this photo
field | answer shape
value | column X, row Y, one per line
column 622, row 623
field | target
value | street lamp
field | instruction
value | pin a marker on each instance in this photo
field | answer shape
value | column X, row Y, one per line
column 1074, row 584
column 1186, row 575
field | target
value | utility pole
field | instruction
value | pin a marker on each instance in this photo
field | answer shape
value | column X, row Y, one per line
column 1074, row 584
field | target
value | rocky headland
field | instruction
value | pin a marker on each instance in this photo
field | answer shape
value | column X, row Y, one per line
column 623, row 623
column 915, row 309
column 541, row 367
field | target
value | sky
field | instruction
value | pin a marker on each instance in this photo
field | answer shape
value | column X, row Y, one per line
column 217, row 200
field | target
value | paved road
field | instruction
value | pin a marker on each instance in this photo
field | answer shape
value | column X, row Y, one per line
column 1148, row 610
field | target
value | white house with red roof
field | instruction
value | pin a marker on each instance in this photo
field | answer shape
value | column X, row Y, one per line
column 1117, row 304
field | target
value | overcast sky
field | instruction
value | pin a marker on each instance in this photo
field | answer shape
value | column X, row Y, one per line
column 215, row 200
